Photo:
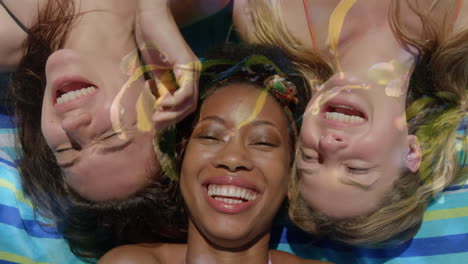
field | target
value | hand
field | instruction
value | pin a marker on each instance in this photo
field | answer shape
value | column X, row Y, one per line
column 163, row 47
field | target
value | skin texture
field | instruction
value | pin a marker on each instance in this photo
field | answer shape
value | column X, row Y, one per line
column 98, row 161
column 108, row 59
column 357, row 164
column 341, row 162
column 219, row 147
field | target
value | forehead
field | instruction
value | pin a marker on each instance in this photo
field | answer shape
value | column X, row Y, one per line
column 242, row 103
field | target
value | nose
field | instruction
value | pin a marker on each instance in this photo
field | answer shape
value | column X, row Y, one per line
column 233, row 157
column 77, row 128
column 330, row 143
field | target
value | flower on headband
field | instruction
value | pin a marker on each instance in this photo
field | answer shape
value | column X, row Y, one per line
column 282, row 89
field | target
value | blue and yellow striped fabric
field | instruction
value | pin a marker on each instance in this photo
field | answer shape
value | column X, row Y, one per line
column 22, row 239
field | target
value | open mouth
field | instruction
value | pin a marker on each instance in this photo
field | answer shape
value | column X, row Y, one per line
column 231, row 194
column 344, row 114
column 70, row 91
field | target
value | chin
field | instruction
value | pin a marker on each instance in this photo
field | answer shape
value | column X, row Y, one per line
column 233, row 237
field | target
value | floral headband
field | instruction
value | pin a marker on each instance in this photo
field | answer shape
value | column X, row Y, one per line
column 256, row 69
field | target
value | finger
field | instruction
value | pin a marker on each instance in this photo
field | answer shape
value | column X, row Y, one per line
column 165, row 119
column 187, row 77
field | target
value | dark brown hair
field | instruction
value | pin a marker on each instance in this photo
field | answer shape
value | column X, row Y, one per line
column 154, row 214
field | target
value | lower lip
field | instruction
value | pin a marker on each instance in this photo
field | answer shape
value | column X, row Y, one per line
column 73, row 104
column 228, row 208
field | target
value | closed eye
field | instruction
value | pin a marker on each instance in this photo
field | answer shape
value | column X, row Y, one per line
column 358, row 171
column 62, row 150
column 307, row 158
column 210, row 138
column 264, row 143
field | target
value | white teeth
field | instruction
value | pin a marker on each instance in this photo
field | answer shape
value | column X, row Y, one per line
column 74, row 94
column 230, row 191
column 226, row 200
column 344, row 118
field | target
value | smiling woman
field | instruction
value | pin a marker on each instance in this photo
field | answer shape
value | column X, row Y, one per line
column 236, row 164
column 93, row 171
column 97, row 161
column 370, row 159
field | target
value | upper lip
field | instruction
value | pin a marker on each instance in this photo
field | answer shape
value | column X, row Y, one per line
column 237, row 181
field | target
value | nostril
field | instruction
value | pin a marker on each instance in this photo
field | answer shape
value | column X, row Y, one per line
column 337, row 138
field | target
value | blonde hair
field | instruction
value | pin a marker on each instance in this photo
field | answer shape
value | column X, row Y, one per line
column 436, row 104
column 270, row 28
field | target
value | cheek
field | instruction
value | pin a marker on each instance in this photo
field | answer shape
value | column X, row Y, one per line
column 277, row 168
column 194, row 159
column 308, row 131
column 51, row 129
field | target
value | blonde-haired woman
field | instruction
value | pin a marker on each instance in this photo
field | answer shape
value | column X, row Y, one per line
column 365, row 170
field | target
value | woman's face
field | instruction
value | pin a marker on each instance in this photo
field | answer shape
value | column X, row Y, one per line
column 354, row 145
column 101, row 159
column 236, row 167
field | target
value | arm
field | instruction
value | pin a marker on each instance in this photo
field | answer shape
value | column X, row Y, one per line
column 130, row 254
column 162, row 44
column 189, row 11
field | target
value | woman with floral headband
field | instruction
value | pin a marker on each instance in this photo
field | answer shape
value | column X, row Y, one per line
column 369, row 161
column 236, row 162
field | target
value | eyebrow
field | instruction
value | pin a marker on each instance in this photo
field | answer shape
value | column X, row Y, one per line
column 216, row 119
column 262, row 122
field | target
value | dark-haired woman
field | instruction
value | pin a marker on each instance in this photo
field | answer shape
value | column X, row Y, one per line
column 93, row 171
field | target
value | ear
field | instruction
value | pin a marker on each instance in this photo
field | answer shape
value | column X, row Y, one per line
column 413, row 158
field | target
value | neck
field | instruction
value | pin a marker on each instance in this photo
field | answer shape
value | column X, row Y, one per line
column 200, row 250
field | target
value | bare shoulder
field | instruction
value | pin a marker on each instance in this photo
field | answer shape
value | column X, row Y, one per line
column 11, row 51
column 285, row 257
column 145, row 254
column 130, row 254
column 190, row 11
column 462, row 17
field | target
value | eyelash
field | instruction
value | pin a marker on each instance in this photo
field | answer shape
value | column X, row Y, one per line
column 263, row 142
column 115, row 133
column 356, row 170
column 209, row 138
column 62, row 150
column 307, row 158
